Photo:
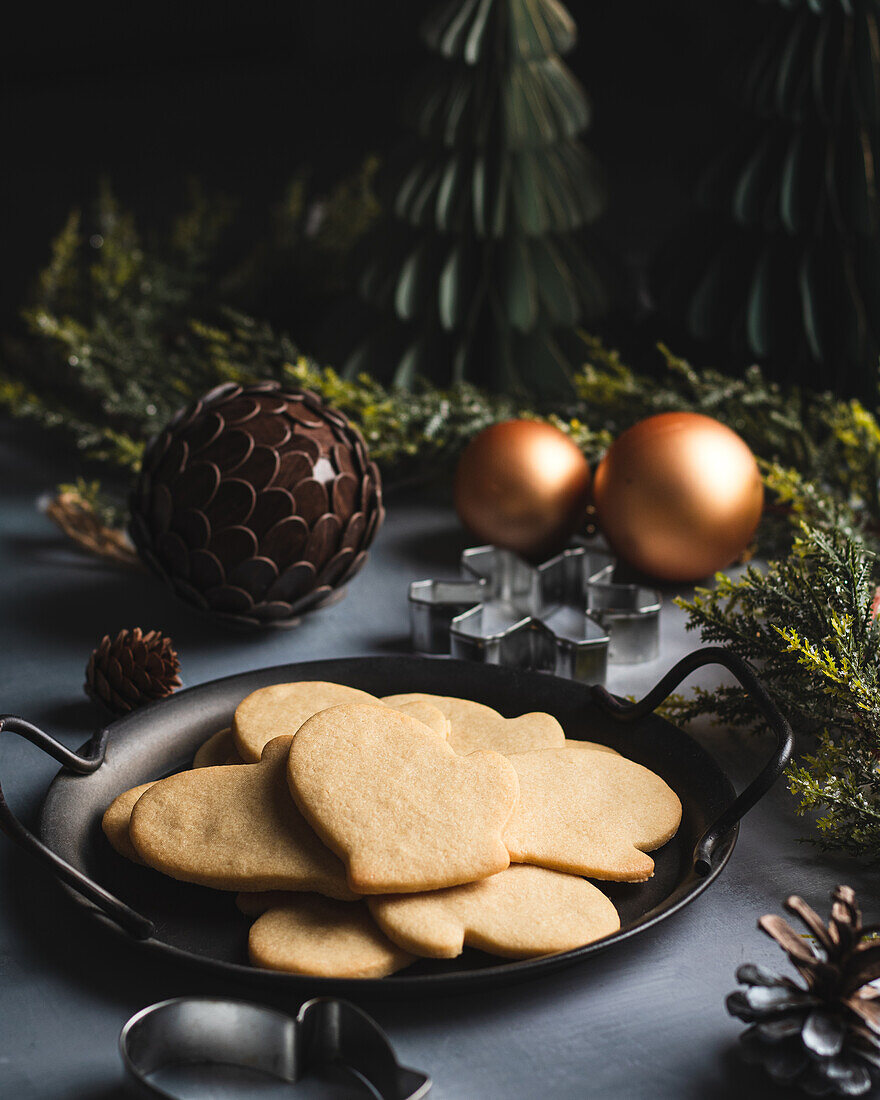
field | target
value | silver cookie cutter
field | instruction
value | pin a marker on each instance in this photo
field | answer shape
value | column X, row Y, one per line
column 567, row 616
column 190, row 1037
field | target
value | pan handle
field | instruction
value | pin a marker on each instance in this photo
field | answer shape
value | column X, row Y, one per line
column 624, row 711
column 130, row 921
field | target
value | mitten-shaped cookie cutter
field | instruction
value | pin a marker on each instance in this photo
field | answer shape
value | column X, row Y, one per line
column 188, row 1032
column 566, row 616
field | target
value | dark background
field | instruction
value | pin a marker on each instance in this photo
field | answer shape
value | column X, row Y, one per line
column 241, row 95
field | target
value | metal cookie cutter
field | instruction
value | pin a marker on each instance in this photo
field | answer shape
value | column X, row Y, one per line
column 566, row 616
column 171, row 1047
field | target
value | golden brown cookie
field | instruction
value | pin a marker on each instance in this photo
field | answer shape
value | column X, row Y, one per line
column 474, row 726
column 590, row 813
column 280, row 710
column 234, row 828
column 426, row 713
column 521, row 912
column 588, row 745
column 309, row 934
column 403, row 810
column 116, row 818
column 218, row 749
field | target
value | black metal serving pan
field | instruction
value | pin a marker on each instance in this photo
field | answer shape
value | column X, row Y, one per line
column 200, row 927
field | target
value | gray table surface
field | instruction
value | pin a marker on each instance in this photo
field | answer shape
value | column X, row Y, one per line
column 644, row 1020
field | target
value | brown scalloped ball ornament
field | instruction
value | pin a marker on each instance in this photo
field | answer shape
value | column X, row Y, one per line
column 257, row 503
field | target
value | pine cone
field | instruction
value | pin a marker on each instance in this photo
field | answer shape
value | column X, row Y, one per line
column 132, row 669
column 823, row 1036
column 256, row 503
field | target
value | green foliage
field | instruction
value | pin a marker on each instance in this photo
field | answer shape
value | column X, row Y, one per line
column 807, row 623
column 305, row 247
column 112, row 349
column 406, row 433
column 839, row 781
column 124, row 330
column 119, row 341
column 106, row 364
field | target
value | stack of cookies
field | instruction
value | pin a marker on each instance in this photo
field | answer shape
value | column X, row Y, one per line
column 362, row 833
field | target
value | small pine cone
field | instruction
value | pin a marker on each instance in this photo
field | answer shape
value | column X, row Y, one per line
column 132, row 669
column 822, row 1036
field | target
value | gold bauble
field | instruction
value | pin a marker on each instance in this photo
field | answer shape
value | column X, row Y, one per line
column 678, row 496
column 522, row 485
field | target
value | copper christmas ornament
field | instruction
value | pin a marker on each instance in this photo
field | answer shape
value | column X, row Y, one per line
column 134, row 668
column 678, row 496
column 256, row 503
column 522, row 485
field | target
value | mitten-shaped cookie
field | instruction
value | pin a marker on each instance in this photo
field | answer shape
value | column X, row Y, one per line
column 116, row 818
column 280, row 710
column 218, row 749
column 474, row 726
column 518, row 913
column 234, row 828
column 308, row 934
column 590, row 813
column 402, row 809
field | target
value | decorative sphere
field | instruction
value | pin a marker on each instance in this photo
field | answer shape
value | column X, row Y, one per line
column 678, row 496
column 522, row 485
column 256, row 503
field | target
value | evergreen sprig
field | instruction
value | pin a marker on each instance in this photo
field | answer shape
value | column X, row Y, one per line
column 114, row 333
column 808, row 623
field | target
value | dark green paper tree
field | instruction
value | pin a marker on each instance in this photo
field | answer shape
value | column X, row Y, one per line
column 788, row 268
column 479, row 269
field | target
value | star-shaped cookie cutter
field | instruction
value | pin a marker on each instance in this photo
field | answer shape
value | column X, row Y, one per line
column 567, row 616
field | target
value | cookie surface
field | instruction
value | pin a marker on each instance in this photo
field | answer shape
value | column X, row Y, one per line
column 474, row 726
column 425, row 712
column 218, row 749
column 234, row 827
column 309, row 934
column 590, row 813
column 593, row 746
column 518, row 913
column 403, row 810
column 280, row 710
column 116, row 818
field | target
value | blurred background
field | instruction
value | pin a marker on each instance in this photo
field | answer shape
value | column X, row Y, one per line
column 245, row 96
